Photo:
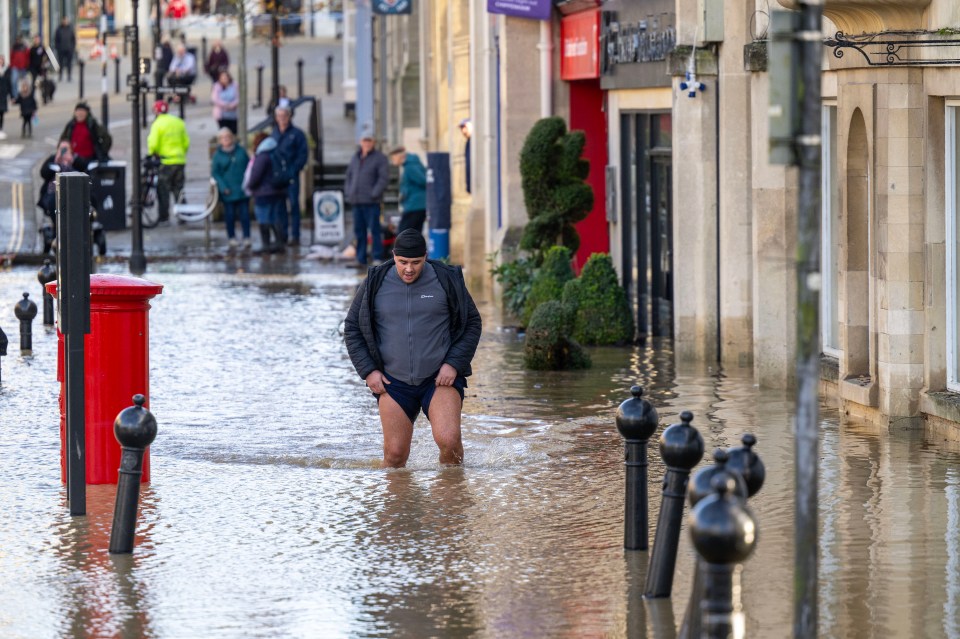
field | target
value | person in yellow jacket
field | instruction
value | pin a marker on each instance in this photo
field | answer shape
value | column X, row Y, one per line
column 168, row 139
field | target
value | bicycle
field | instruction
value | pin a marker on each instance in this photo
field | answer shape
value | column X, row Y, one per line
column 149, row 178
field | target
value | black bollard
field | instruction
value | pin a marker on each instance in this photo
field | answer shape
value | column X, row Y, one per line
column 3, row 346
column 80, row 65
column 135, row 428
column 203, row 49
column 701, row 487
column 25, row 310
column 47, row 274
column 681, row 448
column 746, row 462
column 259, row 86
column 116, row 76
column 637, row 420
column 724, row 533
column 329, row 73
column 299, row 77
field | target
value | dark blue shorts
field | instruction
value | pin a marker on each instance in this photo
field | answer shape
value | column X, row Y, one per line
column 412, row 398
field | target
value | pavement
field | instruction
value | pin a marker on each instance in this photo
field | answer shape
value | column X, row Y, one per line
column 20, row 159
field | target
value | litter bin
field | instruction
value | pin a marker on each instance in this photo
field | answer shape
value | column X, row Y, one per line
column 108, row 191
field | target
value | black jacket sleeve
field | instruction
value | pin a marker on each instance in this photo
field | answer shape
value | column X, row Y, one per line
column 353, row 336
column 462, row 350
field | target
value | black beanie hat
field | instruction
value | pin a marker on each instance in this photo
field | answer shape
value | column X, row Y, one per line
column 410, row 243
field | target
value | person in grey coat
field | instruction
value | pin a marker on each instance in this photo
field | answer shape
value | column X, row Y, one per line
column 366, row 180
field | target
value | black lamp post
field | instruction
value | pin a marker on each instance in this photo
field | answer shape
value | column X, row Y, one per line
column 138, row 261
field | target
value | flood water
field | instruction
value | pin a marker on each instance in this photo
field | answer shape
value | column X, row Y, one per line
column 268, row 517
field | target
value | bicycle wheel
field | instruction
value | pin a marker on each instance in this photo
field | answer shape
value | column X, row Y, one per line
column 149, row 210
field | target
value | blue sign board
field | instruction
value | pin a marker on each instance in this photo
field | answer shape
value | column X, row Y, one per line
column 534, row 9
column 392, row 7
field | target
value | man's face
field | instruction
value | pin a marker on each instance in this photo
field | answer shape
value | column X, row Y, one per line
column 410, row 268
column 398, row 158
column 225, row 140
column 366, row 145
column 283, row 119
column 80, row 115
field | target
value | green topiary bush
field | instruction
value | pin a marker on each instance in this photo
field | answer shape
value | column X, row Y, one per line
column 516, row 280
column 552, row 172
column 548, row 281
column 601, row 314
column 547, row 345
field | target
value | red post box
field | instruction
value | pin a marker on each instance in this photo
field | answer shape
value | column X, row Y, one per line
column 116, row 366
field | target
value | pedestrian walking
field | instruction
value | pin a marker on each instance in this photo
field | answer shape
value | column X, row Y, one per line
column 366, row 180
column 228, row 167
column 28, row 107
column 411, row 333
column 164, row 59
column 89, row 140
column 225, row 98
column 413, row 189
column 19, row 64
column 65, row 44
column 218, row 60
column 5, row 93
column 292, row 145
column 268, row 197
column 37, row 56
column 169, row 141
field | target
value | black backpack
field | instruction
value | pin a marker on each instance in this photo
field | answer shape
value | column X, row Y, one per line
column 282, row 172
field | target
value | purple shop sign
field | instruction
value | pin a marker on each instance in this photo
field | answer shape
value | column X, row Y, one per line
column 534, row 9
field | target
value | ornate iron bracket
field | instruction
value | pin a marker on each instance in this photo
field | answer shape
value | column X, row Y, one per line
column 899, row 48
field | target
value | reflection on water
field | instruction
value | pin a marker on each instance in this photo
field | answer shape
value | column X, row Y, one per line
column 268, row 516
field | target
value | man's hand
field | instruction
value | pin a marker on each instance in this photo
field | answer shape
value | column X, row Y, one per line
column 446, row 375
column 375, row 382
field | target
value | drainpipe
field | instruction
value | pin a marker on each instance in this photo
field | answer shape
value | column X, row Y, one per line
column 545, row 47
column 423, row 24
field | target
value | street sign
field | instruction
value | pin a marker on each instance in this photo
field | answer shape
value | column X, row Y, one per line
column 130, row 33
column 173, row 90
column 132, row 97
column 132, row 80
column 328, row 217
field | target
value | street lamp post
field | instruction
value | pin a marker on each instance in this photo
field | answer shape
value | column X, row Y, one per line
column 138, row 261
column 104, row 81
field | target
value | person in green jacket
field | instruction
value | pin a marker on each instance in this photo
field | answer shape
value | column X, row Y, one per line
column 227, row 168
column 168, row 139
column 413, row 189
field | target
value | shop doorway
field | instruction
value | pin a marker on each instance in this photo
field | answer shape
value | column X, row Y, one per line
column 647, row 220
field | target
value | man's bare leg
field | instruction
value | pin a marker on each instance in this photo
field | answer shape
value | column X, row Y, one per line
column 397, row 433
column 444, row 417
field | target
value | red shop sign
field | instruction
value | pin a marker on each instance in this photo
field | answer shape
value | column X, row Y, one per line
column 580, row 42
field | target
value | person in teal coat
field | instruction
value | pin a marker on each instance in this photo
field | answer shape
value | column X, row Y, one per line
column 413, row 189
column 229, row 164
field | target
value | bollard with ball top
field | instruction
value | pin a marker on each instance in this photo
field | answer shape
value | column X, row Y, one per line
column 637, row 420
column 25, row 310
column 681, row 448
column 724, row 533
column 701, row 486
column 748, row 464
column 47, row 273
column 135, row 428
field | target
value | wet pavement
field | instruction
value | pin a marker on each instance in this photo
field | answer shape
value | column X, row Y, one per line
column 268, row 517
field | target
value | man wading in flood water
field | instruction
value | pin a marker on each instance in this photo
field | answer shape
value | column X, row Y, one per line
column 411, row 332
